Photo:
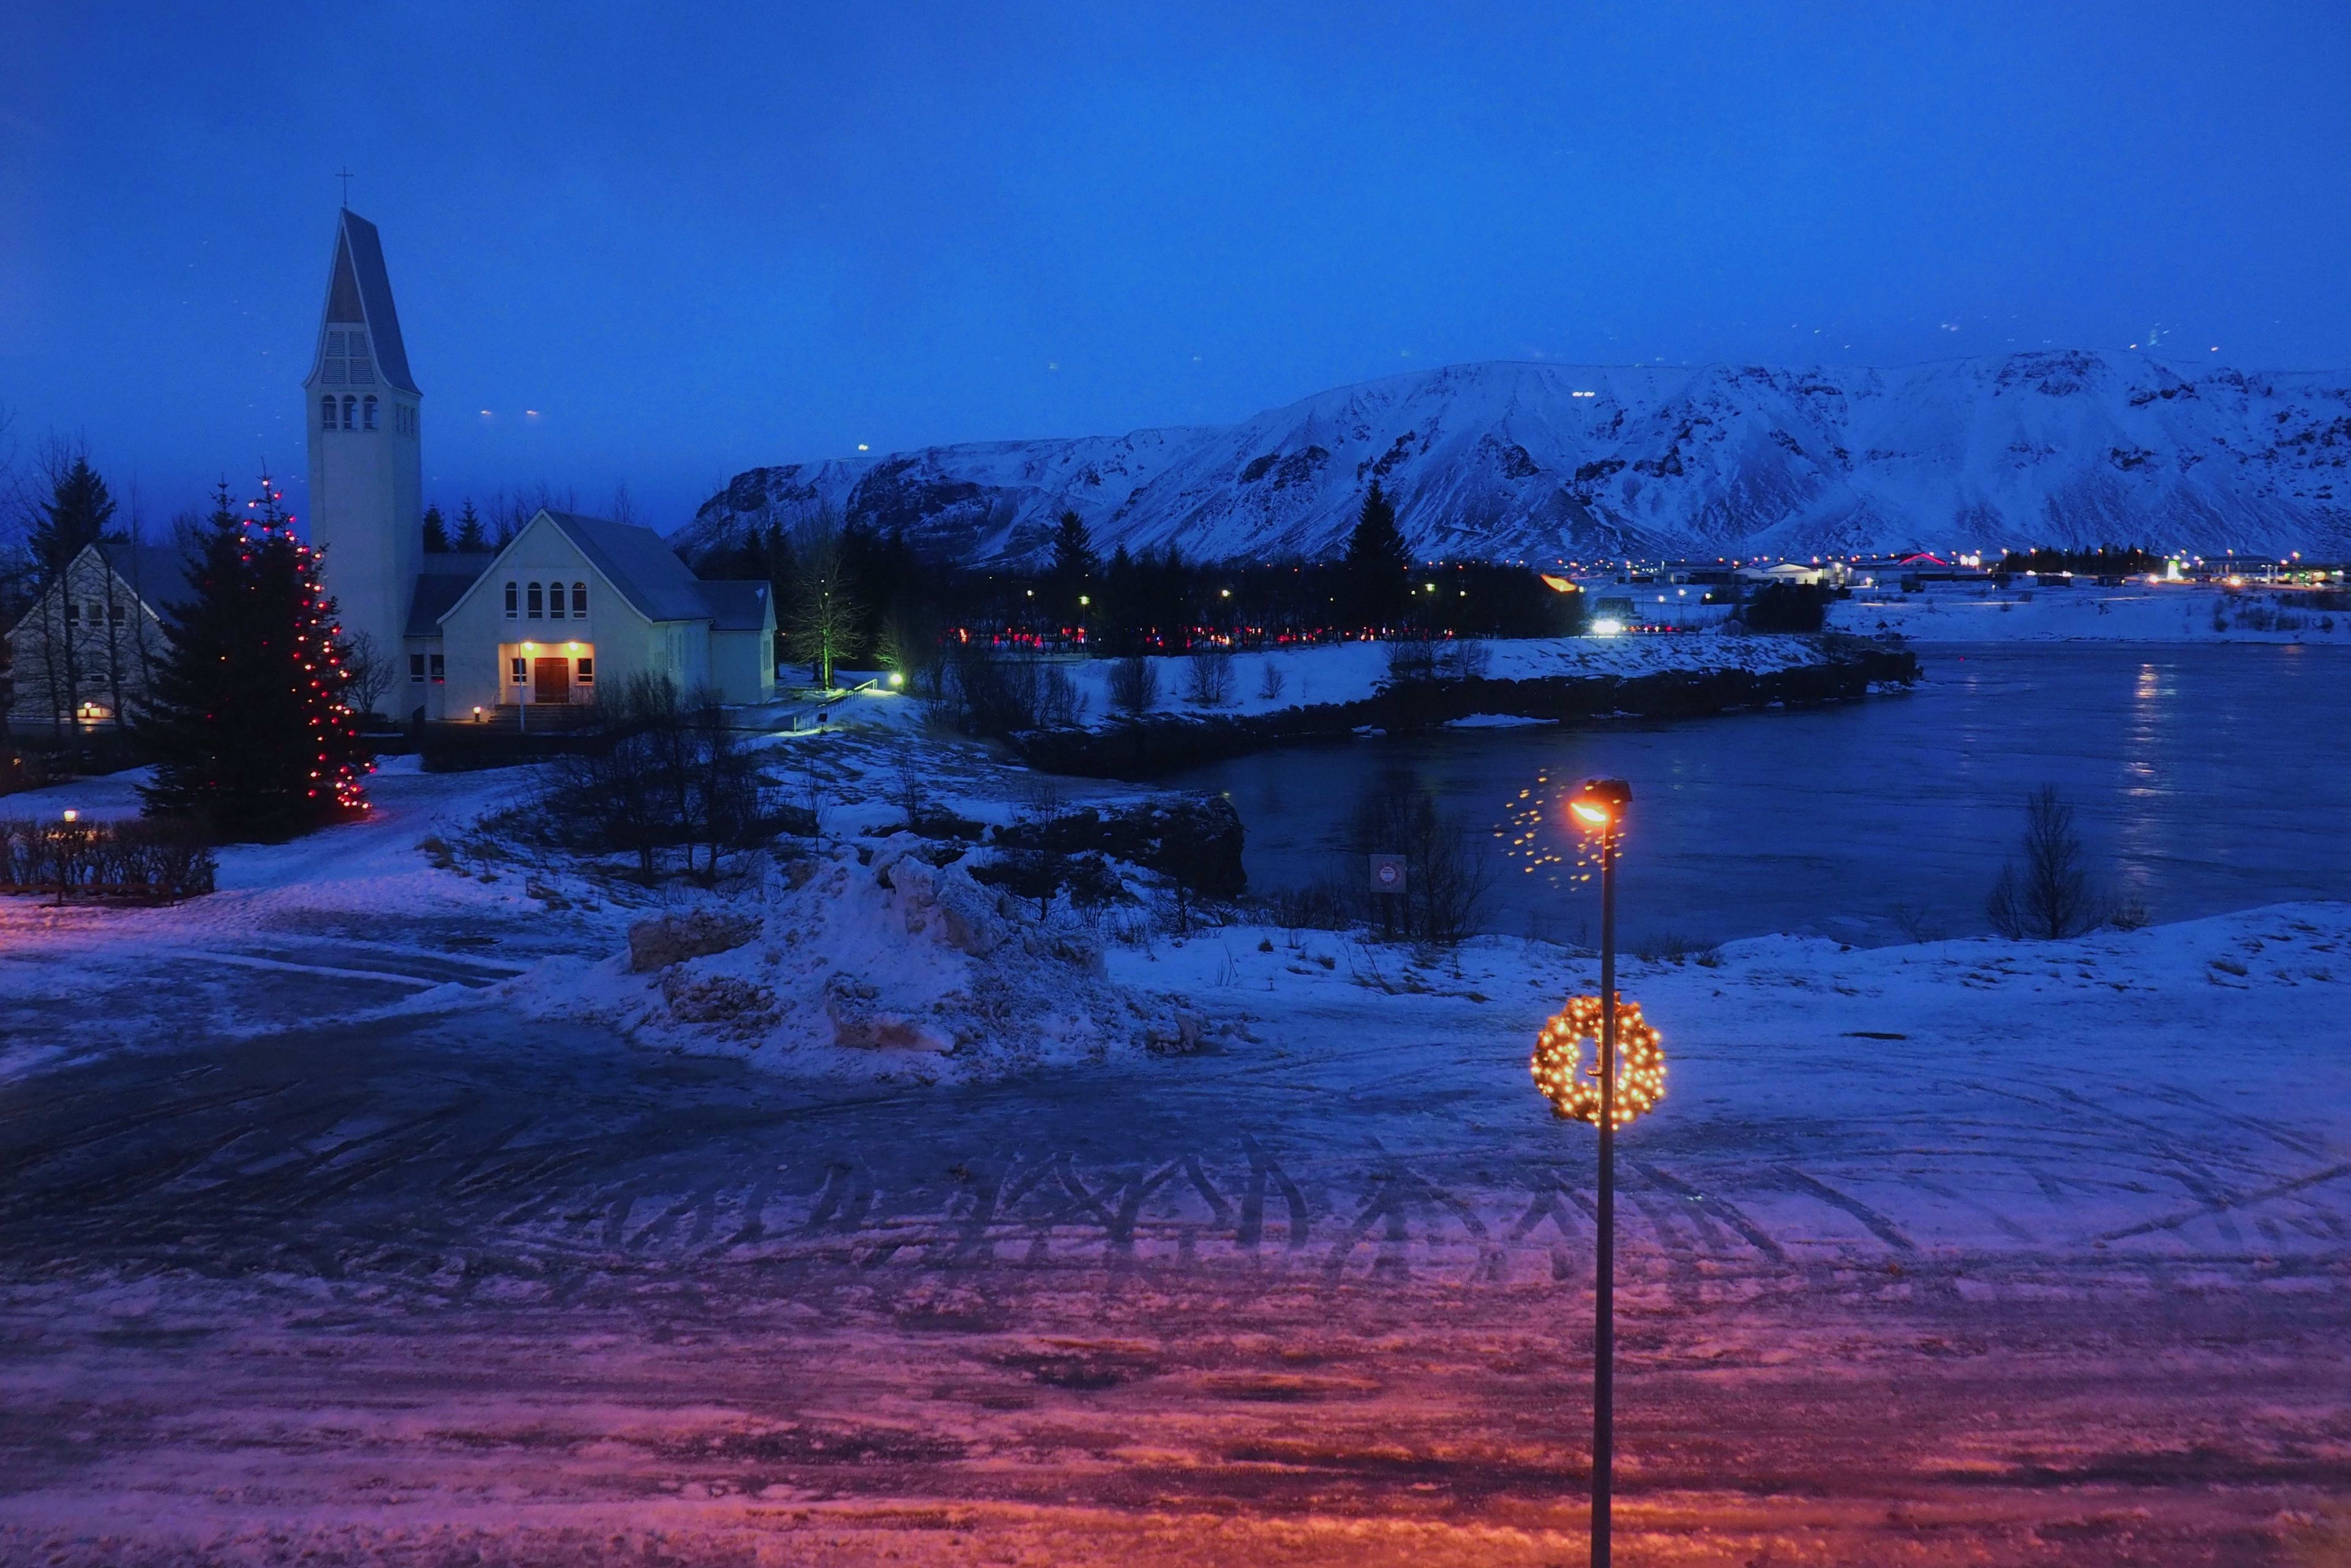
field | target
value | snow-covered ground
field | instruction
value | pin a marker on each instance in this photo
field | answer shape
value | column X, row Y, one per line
column 2168, row 612
column 350, row 1215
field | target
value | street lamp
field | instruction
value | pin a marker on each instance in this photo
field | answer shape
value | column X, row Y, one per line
column 1599, row 808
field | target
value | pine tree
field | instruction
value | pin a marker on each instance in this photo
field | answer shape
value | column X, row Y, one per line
column 73, row 517
column 1074, row 564
column 1377, row 563
column 247, row 718
column 469, row 528
column 436, row 532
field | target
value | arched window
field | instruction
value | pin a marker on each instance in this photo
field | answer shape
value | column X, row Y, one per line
column 535, row 611
column 555, row 601
column 350, row 409
column 367, row 415
column 326, row 414
column 578, row 601
column 510, row 601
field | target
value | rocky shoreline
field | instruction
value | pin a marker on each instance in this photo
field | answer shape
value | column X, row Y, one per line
column 1158, row 744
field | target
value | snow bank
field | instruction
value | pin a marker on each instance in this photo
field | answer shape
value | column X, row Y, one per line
column 1353, row 672
column 895, row 968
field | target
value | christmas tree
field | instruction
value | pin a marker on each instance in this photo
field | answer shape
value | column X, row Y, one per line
column 1377, row 561
column 247, row 718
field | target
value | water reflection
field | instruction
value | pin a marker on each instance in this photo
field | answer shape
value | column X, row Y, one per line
column 2206, row 779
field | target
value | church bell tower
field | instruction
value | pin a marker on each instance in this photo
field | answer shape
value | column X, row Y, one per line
column 367, row 477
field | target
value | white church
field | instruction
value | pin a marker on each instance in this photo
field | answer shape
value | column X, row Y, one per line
column 570, row 606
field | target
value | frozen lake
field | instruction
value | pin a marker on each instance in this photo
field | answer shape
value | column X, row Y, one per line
column 2207, row 778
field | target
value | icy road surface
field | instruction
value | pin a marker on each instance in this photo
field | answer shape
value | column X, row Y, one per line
column 1975, row 1252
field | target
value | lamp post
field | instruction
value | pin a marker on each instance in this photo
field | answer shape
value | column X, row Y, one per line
column 1600, row 807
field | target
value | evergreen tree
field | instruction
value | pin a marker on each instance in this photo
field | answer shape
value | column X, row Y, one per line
column 436, row 532
column 470, row 535
column 247, row 718
column 1377, row 563
column 74, row 516
column 1073, row 567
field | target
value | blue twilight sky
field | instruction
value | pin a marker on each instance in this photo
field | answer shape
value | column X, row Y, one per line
column 697, row 238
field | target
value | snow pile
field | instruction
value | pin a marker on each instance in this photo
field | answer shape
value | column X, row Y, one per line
column 887, row 967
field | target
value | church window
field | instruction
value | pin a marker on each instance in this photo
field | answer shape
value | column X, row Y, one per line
column 535, row 611
column 520, row 671
column 586, row 672
column 416, row 668
column 326, row 414
column 440, row 669
column 334, row 344
column 510, row 601
column 578, row 601
column 361, row 374
column 334, row 376
column 350, row 410
column 367, row 411
column 555, row 601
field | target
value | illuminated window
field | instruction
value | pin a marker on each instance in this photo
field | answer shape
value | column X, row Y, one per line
column 578, row 601
column 521, row 670
column 416, row 668
column 510, row 601
column 535, row 611
column 367, row 415
column 326, row 414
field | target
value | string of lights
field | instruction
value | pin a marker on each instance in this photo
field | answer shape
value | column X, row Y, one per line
column 1571, row 1083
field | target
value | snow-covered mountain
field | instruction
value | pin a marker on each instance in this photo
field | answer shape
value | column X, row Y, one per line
column 1546, row 462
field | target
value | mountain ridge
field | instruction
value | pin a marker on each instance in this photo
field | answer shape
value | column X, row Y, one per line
column 1534, row 461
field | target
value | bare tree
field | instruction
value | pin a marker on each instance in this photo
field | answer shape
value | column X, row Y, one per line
column 2049, row 896
column 1135, row 686
column 824, row 613
column 1269, row 689
column 1209, row 677
column 369, row 672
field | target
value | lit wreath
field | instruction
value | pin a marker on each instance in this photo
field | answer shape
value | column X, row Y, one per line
column 1573, row 1088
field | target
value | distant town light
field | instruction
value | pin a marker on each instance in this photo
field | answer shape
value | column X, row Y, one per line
column 71, row 815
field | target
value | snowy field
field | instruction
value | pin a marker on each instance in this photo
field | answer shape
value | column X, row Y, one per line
column 369, row 1212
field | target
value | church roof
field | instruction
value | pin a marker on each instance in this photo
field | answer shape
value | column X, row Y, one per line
column 648, row 573
column 443, row 581
column 360, row 290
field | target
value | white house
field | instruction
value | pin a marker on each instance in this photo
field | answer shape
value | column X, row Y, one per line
column 81, row 656
column 571, row 606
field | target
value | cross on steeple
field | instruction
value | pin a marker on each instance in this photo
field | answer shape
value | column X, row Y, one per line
column 345, row 176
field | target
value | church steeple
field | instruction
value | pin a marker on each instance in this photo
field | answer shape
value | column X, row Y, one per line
column 361, row 406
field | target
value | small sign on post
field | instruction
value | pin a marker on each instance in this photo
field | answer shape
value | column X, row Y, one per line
column 1387, row 873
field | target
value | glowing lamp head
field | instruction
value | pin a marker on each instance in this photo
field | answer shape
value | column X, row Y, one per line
column 1600, row 805
column 1592, row 813
column 897, row 678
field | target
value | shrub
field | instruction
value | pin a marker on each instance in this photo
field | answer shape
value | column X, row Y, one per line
column 154, row 860
column 1446, row 869
column 1787, row 607
column 987, row 694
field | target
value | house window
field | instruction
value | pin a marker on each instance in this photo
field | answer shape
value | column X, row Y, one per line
column 586, row 672
column 350, row 409
column 578, row 601
column 326, row 414
column 510, row 601
column 367, row 414
column 73, row 611
column 439, row 673
column 521, row 670
column 416, row 668
column 536, row 612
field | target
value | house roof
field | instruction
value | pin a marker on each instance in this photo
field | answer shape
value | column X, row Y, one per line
column 359, row 289
column 445, row 576
column 642, row 569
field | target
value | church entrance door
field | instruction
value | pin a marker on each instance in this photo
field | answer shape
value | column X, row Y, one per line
column 551, row 680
